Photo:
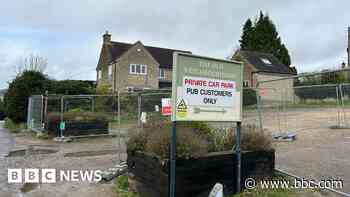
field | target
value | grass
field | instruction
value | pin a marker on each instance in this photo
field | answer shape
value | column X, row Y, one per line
column 41, row 135
column 122, row 187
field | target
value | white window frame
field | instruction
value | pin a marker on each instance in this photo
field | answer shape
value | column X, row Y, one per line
column 246, row 83
column 161, row 73
column 141, row 67
column 130, row 89
column 110, row 72
column 99, row 74
column 266, row 61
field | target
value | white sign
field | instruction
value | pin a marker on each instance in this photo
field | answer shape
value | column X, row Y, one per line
column 206, row 89
column 166, row 106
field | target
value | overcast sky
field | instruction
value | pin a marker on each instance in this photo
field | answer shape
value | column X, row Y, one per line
column 69, row 32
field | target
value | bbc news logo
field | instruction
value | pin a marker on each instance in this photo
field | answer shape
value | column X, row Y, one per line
column 45, row 175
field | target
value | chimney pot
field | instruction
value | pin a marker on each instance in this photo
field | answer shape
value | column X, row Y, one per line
column 107, row 38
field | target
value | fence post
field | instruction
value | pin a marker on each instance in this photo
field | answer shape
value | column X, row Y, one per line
column 46, row 97
column 338, row 104
column 29, row 116
column 238, row 154
column 119, row 108
column 258, row 99
column 342, row 101
column 139, row 109
column 62, row 110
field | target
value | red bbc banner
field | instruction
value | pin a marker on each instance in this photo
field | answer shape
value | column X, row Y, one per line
column 166, row 106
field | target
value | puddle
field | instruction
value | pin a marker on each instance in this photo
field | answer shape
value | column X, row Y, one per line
column 23, row 152
column 90, row 153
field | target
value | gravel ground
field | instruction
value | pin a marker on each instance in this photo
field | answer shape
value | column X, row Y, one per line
column 319, row 152
column 108, row 158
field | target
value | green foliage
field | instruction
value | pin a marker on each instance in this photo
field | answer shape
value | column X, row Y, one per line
column 122, row 182
column 103, row 88
column 70, row 87
column 20, row 89
column 156, row 136
column 122, row 187
column 80, row 116
column 249, row 97
column 262, row 36
column 13, row 127
column 42, row 135
column 252, row 139
column 194, row 139
column 2, row 109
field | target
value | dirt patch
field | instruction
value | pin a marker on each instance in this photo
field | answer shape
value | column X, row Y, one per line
column 91, row 153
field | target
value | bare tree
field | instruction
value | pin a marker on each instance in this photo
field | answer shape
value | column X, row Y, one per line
column 33, row 63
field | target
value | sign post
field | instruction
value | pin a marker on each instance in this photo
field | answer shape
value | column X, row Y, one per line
column 204, row 89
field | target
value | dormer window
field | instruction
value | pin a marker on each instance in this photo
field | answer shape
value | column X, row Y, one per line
column 266, row 61
column 161, row 73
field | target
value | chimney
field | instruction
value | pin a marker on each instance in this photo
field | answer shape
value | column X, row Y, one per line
column 107, row 38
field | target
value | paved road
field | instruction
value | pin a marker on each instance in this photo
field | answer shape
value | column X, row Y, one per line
column 6, row 141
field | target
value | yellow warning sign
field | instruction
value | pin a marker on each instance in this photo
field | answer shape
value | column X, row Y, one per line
column 181, row 109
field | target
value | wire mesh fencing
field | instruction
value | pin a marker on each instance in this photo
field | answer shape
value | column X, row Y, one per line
column 35, row 116
column 315, row 109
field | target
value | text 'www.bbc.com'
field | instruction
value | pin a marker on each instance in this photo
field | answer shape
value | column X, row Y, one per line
column 251, row 183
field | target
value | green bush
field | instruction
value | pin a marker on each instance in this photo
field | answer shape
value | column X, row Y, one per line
column 20, row 89
column 42, row 135
column 77, row 115
column 70, row 87
column 194, row 139
column 249, row 97
column 156, row 136
column 252, row 139
column 13, row 127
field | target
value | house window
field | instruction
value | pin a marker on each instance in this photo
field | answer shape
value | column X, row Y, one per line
column 110, row 71
column 99, row 74
column 161, row 73
column 138, row 69
column 266, row 61
column 130, row 89
column 246, row 83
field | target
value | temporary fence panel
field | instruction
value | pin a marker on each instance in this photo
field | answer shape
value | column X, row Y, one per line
column 35, row 113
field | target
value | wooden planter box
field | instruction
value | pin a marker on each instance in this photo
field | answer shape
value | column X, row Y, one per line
column 77, row 128
column 197, row 176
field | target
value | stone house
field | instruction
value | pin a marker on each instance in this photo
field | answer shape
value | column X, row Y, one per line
column 130, row 67
column 263, row 67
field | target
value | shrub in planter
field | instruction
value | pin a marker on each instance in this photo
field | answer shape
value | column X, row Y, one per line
column 156, row 136
column 197, row 170
column 194, row 139
column 78, row 123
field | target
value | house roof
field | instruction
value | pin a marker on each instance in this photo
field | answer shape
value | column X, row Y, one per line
column 163, row 56
column 265, row 62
